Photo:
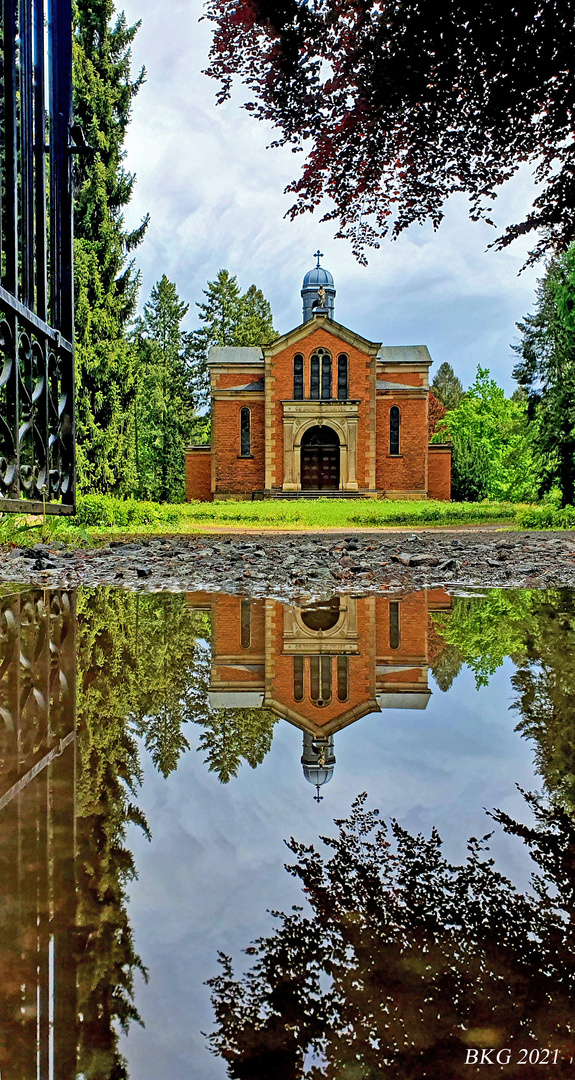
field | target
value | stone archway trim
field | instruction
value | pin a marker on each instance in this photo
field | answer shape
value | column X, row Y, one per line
column 299, row 417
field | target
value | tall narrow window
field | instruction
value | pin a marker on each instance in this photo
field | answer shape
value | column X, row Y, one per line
column 314, row 378
column 298, row 377
column 394, row 430
column 342, row 669
column 320, row 679
column 394, row 624
column 342, row 378
column 326, row 378
column 246, row 623
column 245, row 433
column 298, row 678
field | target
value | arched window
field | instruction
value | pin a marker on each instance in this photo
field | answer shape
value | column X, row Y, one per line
column 394, row 430
column 342, row 678
column 298, row 377
column 394, row 636
column 326, row 378
column 246, row 623
column 314, row 378
column 320, row 385
column 320, row 680
column 342, row 378
column 245, row 433
column 298, row 678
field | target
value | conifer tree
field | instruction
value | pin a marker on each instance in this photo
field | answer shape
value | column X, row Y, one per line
column 447, row 387
column 546, row 371
column 163, row 407
column 229, row 318
column 106, row 281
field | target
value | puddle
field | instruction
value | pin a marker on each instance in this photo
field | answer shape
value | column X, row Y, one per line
column 156, row 752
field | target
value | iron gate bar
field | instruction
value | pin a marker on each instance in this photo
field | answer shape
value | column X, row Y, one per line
column 37, row 468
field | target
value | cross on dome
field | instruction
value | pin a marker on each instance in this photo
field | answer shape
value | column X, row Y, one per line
column 318, row 255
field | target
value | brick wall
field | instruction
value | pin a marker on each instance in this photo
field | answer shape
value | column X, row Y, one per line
column 199, row 474
column 412, row 630
column 408, row 471
column 235, row 474
column 361, row 673
column 439, row 472
column 279, row 381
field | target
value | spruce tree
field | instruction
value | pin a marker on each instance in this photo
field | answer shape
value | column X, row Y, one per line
column 163, row 407
column 106, row 280
column 447, row 387
column 228, row 318
column 546, row 371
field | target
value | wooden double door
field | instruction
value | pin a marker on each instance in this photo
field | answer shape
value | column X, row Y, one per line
column 320, row 459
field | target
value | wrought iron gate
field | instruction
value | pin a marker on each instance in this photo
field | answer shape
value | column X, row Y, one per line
column 36, row 291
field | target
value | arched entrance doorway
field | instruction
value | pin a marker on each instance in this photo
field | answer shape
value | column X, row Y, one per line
column 320, row 459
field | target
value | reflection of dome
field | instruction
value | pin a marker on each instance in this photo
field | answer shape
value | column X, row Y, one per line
column 318, row 760
column 313, row 303
column 321, row 616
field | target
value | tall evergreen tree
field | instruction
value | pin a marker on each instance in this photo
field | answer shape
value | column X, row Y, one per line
column 106, row 280
column 228, row 318
column 447, row 387
column 546, row 371
column 163, row 406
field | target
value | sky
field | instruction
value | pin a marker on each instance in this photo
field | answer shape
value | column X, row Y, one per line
column 214, row 868
column 215, row 198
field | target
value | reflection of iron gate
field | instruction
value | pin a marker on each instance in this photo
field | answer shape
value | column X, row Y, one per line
column 36, row 294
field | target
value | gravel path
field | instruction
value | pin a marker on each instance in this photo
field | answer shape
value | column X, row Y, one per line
column 290, row 565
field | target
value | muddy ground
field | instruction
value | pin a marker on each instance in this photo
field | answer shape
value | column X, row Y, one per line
column 291, row 565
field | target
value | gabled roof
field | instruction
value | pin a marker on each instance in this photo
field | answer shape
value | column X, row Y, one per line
column 404, row 354
column 235, row 354
column 321, row 322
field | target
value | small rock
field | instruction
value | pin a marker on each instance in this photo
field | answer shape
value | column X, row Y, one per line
column 143, row 573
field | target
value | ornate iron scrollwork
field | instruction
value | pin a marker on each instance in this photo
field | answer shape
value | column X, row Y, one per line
column 36, row 291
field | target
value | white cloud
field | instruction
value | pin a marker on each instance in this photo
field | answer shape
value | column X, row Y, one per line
column 215, row 195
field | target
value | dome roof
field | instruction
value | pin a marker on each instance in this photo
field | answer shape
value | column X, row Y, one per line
column 318, row 774
column 316, row 277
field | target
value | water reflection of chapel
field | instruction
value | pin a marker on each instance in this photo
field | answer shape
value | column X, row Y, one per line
column 321, row 666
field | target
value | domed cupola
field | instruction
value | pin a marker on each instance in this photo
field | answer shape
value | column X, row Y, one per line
column 318, row 292
column 318, row 760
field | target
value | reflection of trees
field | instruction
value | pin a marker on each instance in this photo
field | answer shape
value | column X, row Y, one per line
column 229, row 736
column 545, row 684
column 536, row 628
column 135, row 655
column 402, row 961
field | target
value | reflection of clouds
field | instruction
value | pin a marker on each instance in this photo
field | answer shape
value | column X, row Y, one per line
column 216, row 199
column 215, row 863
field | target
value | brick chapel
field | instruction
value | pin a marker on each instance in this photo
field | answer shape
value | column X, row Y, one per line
column 319, row 411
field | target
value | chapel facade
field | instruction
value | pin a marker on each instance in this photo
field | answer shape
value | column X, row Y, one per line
column 319, row 411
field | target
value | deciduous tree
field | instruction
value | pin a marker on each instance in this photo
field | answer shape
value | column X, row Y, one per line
column 400, row 105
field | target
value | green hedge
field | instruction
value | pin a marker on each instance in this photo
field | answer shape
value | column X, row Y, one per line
column 545, row 517
column 104, row 511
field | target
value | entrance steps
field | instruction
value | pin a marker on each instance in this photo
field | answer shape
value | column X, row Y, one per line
column 315, row 494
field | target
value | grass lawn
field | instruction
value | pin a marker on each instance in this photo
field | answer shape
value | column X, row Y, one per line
column 101, row 517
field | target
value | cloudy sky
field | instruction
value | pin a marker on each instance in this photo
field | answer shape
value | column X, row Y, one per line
column 215, row 196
